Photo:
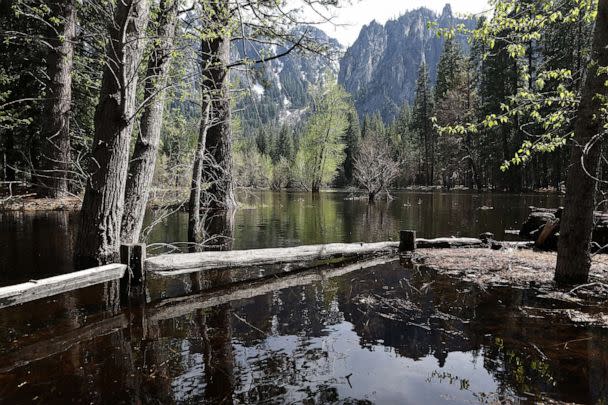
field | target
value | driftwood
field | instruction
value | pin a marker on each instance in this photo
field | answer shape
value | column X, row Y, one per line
column 511, row 245
column 59, row 344
column 532, row 229
column 175, row 307
column 447, row 243
column 36, row 289
column 184, row 263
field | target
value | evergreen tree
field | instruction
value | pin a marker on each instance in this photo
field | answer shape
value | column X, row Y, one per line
column 373, row 124
column 449, row 68
column 422, row 124
column 262, row 141
column 352, row 137
column 284, row 145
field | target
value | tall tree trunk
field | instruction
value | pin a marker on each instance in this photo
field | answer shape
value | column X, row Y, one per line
column 573, row 255
column 8, row 157
column 143, row 161
column 103, row 205
column 194, row 206
column 52, row 176
column 217, row 171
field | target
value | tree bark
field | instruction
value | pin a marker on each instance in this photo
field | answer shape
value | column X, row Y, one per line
column 217, row 170
column 143, row 161
column 573, row 256
column 54, row 163
column 194, row 206
column 103, row 205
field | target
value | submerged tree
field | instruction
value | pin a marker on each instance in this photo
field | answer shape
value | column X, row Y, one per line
column 573, row 256
column 143, row 160
column 103, row 204
column 322, row 145
column 375, row 167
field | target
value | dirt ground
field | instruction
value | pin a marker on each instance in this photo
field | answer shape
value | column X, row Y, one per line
column 509, row 266
column 33, row 203
column 27, row 203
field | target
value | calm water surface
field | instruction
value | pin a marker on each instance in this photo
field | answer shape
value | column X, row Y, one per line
column 36, row 245
column 372, row 332
column 388, row 333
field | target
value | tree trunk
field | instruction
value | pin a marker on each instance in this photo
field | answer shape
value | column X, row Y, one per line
column 217, row 171
column 573, row 256
column 52, row 177
column 103, row 205
column 194, row 206
column 143, row 161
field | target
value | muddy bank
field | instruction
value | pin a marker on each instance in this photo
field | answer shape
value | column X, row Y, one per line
column 33, row 203
column 509, row 266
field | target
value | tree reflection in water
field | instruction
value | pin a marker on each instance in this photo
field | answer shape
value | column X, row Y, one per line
column 386, row 334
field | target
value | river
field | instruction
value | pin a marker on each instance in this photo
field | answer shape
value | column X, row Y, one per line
column 40, row 244
column 387, row 333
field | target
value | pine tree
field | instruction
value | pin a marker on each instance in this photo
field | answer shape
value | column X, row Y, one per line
column 284, row 145
column 261, row 140
column 422, row 124
column 373, row 124
column 352, row 138
column 449, row 68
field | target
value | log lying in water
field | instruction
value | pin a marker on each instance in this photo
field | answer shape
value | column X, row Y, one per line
column 447, row 243
column 61, row 343
column 175, row 307
column 184, row 263
column 36, row 289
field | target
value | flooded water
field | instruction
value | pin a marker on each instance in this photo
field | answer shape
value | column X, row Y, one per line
column 371, row 333
column 36, row 245
column 379, row 331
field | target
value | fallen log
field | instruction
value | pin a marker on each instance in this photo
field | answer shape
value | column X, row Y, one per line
column 448, row 243
column 175, row 307
column 59, row 344
column 36, row 289
column 184, row 263
column 511, row 245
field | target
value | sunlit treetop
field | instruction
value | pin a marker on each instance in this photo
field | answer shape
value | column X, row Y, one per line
column 547, row 98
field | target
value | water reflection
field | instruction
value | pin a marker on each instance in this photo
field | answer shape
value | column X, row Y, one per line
column 386, row 334
column 36, row 245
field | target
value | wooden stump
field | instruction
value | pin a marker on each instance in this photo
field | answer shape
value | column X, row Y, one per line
column 132, row 285
column 407, row 241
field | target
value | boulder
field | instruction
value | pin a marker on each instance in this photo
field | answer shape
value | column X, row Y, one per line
column 542, row 227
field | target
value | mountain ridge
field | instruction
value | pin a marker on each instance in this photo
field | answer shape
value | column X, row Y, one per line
column 381, row 67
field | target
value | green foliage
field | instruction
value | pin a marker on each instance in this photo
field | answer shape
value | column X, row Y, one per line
column 322, row 145
column 449, row 68
column 373, row 124
column 352, row 138
column 542, row 97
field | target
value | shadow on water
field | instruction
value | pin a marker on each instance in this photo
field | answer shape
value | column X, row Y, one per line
column 36, row 245
column 390, row 333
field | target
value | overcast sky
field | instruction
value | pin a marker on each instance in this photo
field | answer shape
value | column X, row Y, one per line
column 352, row 17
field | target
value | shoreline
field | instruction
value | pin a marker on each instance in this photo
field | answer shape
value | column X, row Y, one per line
column 31, row 203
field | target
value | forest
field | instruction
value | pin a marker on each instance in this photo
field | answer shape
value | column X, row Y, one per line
column 158, row 114
column 215, row 201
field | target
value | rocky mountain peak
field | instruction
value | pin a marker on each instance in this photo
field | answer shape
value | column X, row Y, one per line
column 447, row 11
column 381, row 67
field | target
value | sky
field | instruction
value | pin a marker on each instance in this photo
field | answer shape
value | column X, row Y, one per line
column 351, row 18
